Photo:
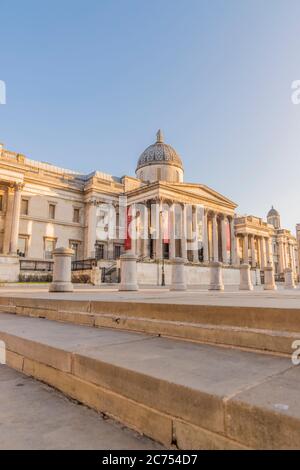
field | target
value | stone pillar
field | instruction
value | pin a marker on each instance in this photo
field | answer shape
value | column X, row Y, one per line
column 183, row 233
column 195, row 235
column 205, row 238
column 245, row 277
column 128, row 272
column 269, row 278
column 172, row 232
column 62, row 270
column 216, row 276
column 158, row 232
column 262, row 253
column 281, row 256
column 253, row 257
column 269, row 256
column 233, row 243
column 178, row 277
column 16, row 219
column 289, row 282
column 246, row 249
column 224, row 239
column 91, row 228
column 215, row 238
column 8, row 219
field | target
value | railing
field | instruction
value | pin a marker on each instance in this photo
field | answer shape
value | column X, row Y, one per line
column 80, row 265
column 32, row 265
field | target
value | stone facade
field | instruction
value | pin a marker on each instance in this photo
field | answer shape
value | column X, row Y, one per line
column 43, row 207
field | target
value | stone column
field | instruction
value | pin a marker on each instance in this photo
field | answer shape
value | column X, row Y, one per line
column 245, row 277
column 253, row 257
column 62, row 270
column 205, row 238
column 281, row 256
column 183, row 233
column 172, row 232
column 216, row 276
column 215, row 238
column 262, row 253
column 233, row 243
column 16, row 219
column 289, row 282
column 195, row 235
column 158, row 232
column 8, row 219
column 224, row 239
column 178, row 277
column 269, row 251
column 246, row 249
column 128, row 272
column 91, row 228
column 269, row 278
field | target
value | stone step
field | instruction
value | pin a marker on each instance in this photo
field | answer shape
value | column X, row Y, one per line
column 272, row 330
column 178, row 393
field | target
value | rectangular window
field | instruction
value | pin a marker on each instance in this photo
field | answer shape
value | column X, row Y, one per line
column 99, row 252
column 22, row 247
column 51, row 211
column 76, row 213
column 24, row 207
column 117, row 251
column 75, row 247
column 49, row 247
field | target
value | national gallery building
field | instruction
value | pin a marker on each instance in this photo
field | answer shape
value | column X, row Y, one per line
column 43, row 207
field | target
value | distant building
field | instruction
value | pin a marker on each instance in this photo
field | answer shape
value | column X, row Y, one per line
column 43, row 207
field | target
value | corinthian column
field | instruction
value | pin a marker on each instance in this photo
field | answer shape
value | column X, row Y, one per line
column 224, row 239
column 253, row 257
column 205, row 238
column 195, row 235
column 91, row 228
column 16, row 219
column 8, row 219
column 215, row 238
column 246, row 249
column 183, row 233
column 172, row 232
column 233, row 243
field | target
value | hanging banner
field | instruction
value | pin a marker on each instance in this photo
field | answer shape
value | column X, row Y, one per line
column 127, row 244
column 165, row 226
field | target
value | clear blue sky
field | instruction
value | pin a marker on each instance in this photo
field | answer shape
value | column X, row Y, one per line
column 90, row 82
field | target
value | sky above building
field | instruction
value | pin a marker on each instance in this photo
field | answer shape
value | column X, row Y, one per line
column 88, row 83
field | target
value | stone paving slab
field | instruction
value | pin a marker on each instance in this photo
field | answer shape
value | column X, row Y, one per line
column 34, row 416
column 204, row 389
column 281, row 298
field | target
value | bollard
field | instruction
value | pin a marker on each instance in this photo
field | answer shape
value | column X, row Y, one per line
column 269, row 278
column 289, row 281
column 178, row 279
column 128, row 272
column 245, row 277
column 62, row 270
column 216, row 278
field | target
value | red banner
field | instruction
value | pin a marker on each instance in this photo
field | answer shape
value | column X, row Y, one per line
column 127, row 244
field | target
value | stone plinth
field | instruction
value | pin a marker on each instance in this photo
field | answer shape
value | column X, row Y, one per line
column 178, row 275
column 9, row 268
column 62, row 270
column 245, row 277
column 269, row 278
column 216, row 276
column 128, row 272
column 289, row 282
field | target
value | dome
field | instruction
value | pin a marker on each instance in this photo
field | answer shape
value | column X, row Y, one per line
column 273, row 213
column 159, row 154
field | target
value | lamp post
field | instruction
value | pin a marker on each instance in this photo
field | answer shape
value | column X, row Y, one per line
column 163, row 282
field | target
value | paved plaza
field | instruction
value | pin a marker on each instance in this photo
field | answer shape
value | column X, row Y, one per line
column 281, row 298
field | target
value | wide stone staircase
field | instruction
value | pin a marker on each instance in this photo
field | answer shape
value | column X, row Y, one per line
column 229, row 385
